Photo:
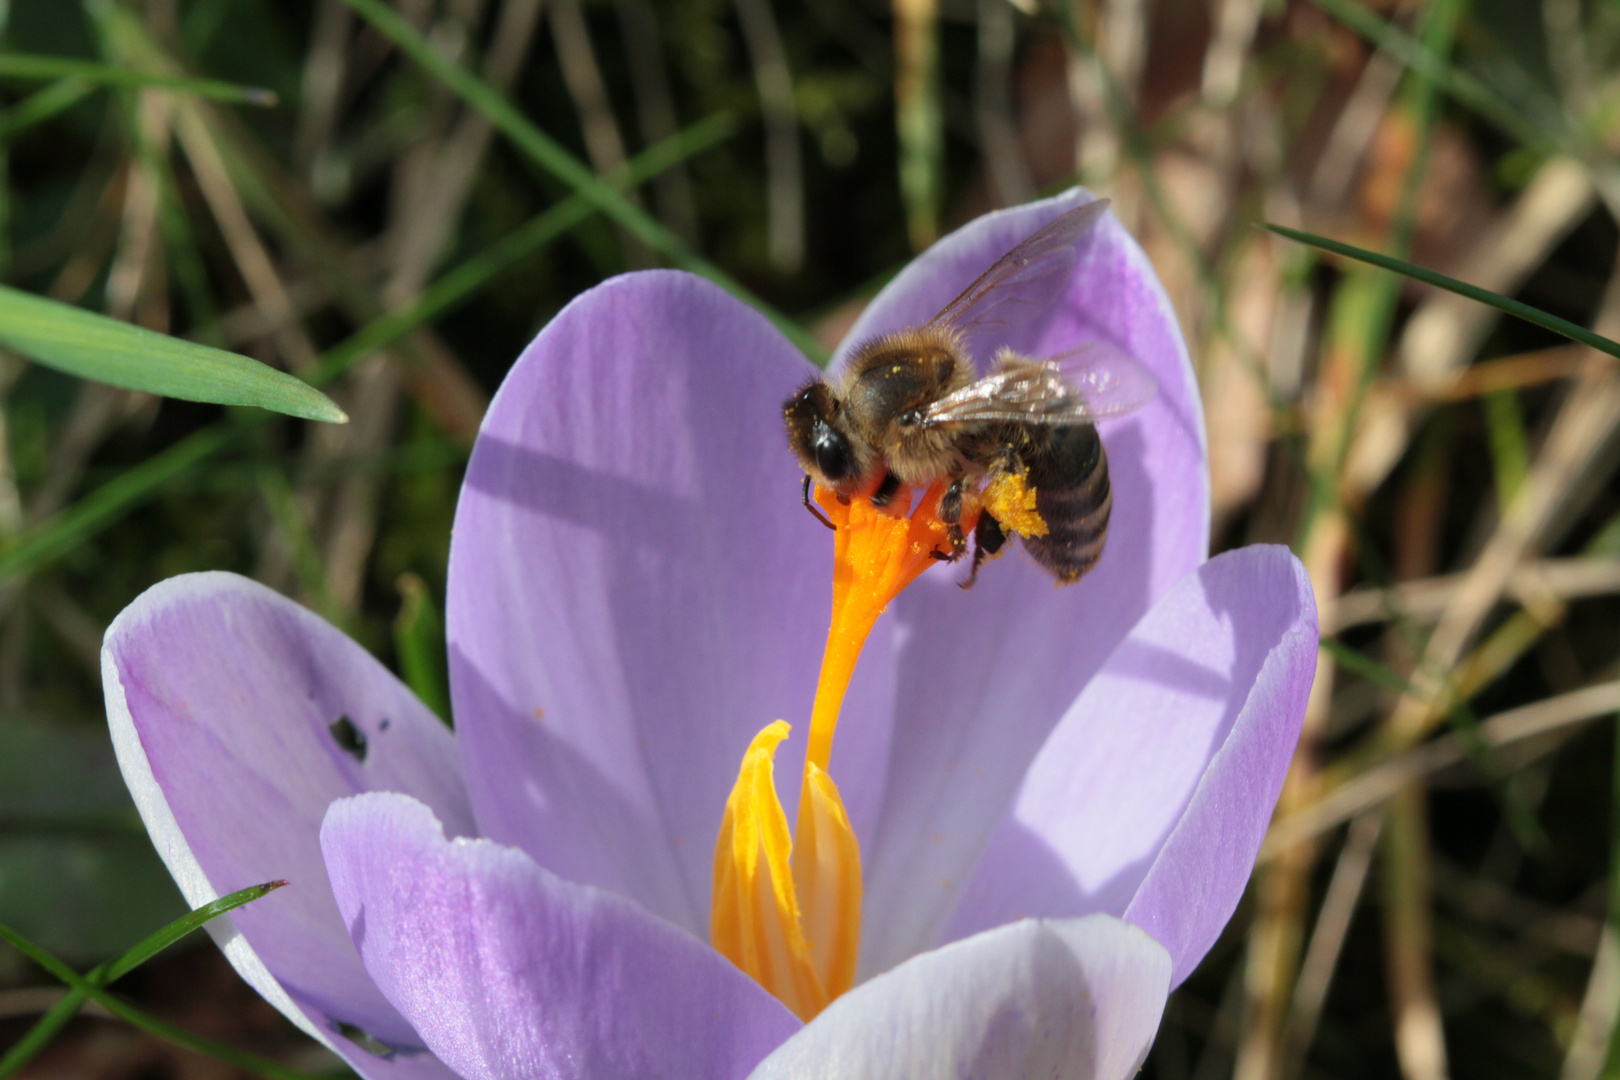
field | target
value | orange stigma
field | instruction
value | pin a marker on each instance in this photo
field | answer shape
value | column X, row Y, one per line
column 788, row 912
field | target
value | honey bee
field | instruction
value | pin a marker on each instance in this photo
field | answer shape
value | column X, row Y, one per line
column 908, row 410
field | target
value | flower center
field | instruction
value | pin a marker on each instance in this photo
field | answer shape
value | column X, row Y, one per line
column 788, row 910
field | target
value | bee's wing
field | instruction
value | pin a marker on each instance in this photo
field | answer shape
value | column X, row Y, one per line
column 1025, row 280
column 1086, row 384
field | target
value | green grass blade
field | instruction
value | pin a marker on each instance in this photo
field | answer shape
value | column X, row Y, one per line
column 419, row 645
column 919, row 119
column 44, row 1030
column 1462, row 87
column 93, row 346
column 1366, row 667
column 117, row 497
column 467, row 278
column 46, row 1027
column 241, row 1059
column 551, row 156
column 41, row 105
column 1509, row 443
column 1461, row 288
column 29, row 66
column 111, row 501
column 1465, row 725
column 184, row 925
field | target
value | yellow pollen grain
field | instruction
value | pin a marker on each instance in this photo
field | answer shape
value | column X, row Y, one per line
column 1011, row 501
column 787, row 911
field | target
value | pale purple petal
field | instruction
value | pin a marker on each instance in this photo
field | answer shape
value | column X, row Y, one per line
column 984, row 676
column 1151, row 797
column 1072, row 999
column 635, row 589
column 221, row 696
column 510, row 973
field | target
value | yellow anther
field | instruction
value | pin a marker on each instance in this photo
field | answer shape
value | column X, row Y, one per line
column 754, row 918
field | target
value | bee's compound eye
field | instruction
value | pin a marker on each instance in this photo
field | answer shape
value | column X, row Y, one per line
column 831, row 449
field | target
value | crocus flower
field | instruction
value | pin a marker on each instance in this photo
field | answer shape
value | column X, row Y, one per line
column 1058, row 794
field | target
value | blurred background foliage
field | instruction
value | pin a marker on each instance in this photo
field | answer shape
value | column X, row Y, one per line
column 289, row 181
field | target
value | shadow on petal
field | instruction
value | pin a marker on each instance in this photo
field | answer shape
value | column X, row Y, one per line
column 596, row 499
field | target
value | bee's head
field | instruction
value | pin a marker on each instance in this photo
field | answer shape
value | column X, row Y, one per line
column 819, row 439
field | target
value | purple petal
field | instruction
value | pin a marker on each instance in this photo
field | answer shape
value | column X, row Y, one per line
column 221, row 697
column 984, row 676
column 510, row 973
column 1075, row 999
column 635, row 589
column 1152, row 796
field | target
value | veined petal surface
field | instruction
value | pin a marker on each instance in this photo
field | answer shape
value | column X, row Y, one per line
column 983, row 677
column 510, row 973
column 1071, row 999
column 1152, row 796
column 635, row 588
column 222, row 697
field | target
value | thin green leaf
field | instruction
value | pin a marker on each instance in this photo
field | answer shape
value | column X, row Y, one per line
column 1509, row 442
column 1462, row 87
column 46, row 1027
column 419, row 645
column 192, row 920
column 1461, row 288
column 29, row 66
column 111, row 501
column 919, row 119
column 117, row 497
column 241, row 1059
column 460, row 283
column 1365, row 666
column 93, row 346
column 1364, row 303
column 41, row 105
column 551, row 156
column 1465, row 725
column 291, row 523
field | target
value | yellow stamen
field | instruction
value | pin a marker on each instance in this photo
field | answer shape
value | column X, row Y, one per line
column 754, row 920
column 1011, row 501
column 793, row 920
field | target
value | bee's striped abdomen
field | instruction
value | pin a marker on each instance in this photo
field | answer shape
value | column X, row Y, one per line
column 1069, row 471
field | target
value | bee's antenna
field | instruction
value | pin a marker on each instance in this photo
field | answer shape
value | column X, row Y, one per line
column 814, row 511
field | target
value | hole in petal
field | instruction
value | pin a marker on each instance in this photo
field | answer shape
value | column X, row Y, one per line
column 375, row 1047
column 349, row 737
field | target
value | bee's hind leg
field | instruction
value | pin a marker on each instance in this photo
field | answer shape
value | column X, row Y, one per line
column 988, row 540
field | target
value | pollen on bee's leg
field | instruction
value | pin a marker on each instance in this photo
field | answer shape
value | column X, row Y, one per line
column 1011, row 501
